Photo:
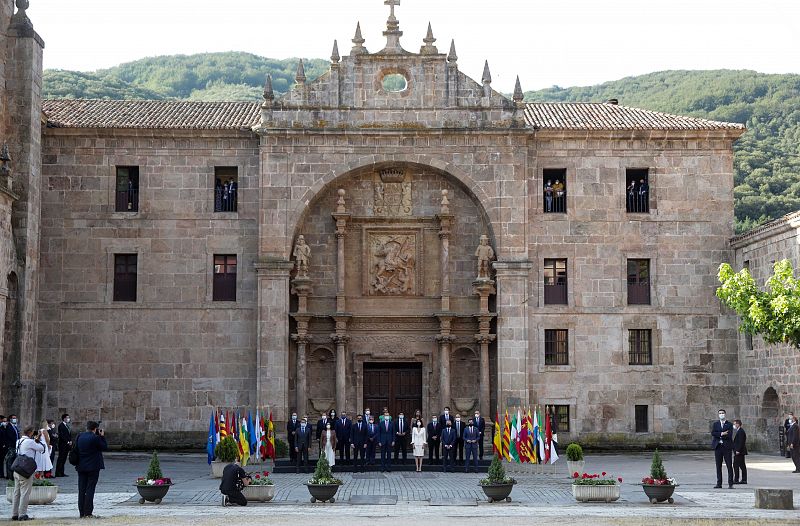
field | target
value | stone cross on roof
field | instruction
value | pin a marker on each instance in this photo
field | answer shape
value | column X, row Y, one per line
column 391, row 4
column 392, row 32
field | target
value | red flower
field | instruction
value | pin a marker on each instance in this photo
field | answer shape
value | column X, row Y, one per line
column 266, row 473
column 258, row 476
column 604, row 473
column 37, row 475
column 585, row 476
column 575, row 475
column 619, row 479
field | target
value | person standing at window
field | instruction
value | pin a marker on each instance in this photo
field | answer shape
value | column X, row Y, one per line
column 548, row 196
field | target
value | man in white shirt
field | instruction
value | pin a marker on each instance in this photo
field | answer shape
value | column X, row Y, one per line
column 29, row 445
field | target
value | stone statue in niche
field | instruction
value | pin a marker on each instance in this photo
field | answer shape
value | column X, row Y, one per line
column 392, row 197
column 485, row 255
column 302, row 254
column 393, row 264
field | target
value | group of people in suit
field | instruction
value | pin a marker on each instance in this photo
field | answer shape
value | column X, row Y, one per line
column 729, row 442
column 446, row 433
column 56, row 439
column 793, row 440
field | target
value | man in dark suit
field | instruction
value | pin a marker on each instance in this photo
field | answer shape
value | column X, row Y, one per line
column 386, row 439
column 739, row 452
column 358, row 441
column 434, row 432
column 722, row 444
column 302, row 443
column 401, row 432
column 3, row 446
column 343, row 428
column 64, row 444
column 291, row 431
column 372, row 440
column 448, row 446
column 10, row 437
column 480, row 424
column 445, row 416
column 471, row 436
column 793, row 441
column 458, row 426
column 322, row 424
column 786, row 424
column 90, row 461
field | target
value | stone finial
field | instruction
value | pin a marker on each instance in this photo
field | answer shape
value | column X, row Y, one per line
column 358, row 40
column 487, row 75
column 268, row 93
column 20, row 19
column 445, row 206
column 392, row 32
column 335, row 58
column 518, row 95
column 452, row 57
column 340, row 208
column 23, row 6
column 300, row 77
column 429, row 48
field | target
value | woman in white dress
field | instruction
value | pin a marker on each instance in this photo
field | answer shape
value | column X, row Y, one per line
column 419, row 439
column 329, row 444
column 43, row 463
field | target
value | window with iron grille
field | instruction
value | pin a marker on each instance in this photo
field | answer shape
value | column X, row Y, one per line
column 556, row 348
column 555, row 281
column 638, row 282
column 226, row 189
column 125, row 270
column 224, row 277
column 637, row 190
column 642, row 424
column 640, row 347
column 562, row 418
column 555, row 190
column 127, row 189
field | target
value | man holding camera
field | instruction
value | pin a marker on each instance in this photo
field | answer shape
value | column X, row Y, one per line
column 90, row 461
column 234, row 479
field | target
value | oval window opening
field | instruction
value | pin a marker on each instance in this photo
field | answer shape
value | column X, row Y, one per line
column 395, row 82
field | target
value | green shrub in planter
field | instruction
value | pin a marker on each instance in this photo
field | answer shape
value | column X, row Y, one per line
column 574, row 453
column 281, row 448
column 322, row 473
column 497, row 474
column 227, row 450
column 657, row 470
column 154, row 470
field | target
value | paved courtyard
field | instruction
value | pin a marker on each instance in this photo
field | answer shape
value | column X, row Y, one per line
column 544, row 497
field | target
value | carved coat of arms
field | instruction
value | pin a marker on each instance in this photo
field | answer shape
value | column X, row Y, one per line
column 392, row 193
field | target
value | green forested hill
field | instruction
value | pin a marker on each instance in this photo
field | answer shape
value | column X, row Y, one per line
column 767, row 156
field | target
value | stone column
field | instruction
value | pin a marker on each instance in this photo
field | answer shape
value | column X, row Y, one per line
column 341, row 370
column 485, row 397
column 484, row 288
column 341, row 216
column 445, row 222
column 301, row 383
column 444, row 339
column 512, row 330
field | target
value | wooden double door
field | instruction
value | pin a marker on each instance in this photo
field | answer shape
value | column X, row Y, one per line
column 397, row 386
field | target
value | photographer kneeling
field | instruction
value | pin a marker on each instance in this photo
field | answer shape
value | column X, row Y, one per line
column 234, row 479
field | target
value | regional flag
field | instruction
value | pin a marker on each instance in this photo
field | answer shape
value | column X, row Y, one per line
column 212, row 439
column 251, row 434
column 216, row 426
column 531, row 440
column 550, row 453
column 513, row 439
column 538, row 437
column 244, row 442
column 223, row 428
column 497, row 443
column 524, row 439
column 271, row 438
column 506, row 437
column 262, row 441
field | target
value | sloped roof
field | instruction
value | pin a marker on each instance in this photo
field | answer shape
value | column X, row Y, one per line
column 146, row 114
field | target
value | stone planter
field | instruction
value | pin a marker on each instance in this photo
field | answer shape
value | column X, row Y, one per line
column 497, row 492
column 322, row 492
column 259, row 493
column 217, row 468
column 39, row 494
column 574, row 466
column 586, row 493
column 659, row 493
column 152, row 493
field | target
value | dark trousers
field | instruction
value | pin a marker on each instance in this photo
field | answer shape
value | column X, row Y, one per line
column 343, row 448
column 370, row 453
column 472, row 451
column 433, row 450
column 796, row 458
column 739, row 465
column 448, row 458
column 720, row 454
column 3, row 451
column 359, row 451
column 386, row 456
column 302, row 458
column 459, row 449
column 7, row 463
column 480, row 446
column 63, row 453
column 400, row 444
column 87, row 483
column 236, row 497
column 292, row 452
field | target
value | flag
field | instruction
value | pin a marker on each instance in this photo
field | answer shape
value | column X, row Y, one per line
column 251, row 434
column 513, row 439
column 531, row 440
column 263, row 440
column 212, row 439
column 497, row 443
column 518, row 427
column 223, row 428
column 216, row 426
column 506, row 438
column 271, row 438
column 550, row 453
column 257, row 432
column 538, row 436
column 244, row 442
column 522, row 447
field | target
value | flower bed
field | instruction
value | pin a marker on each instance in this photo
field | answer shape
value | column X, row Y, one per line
column 595, row 487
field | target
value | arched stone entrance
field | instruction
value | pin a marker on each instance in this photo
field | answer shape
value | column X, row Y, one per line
column 769, row 418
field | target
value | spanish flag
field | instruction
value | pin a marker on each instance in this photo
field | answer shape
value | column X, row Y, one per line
column 271, row 438
column 497, row 443
column 506, row 438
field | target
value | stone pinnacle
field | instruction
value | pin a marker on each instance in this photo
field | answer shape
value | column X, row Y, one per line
column 335, row 53
column 268, row 93
column 487, row 75
column 300, row 77
column 518, row 95
column 452, row 57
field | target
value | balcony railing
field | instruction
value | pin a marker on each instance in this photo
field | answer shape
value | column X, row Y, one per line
column 638, row 202
column 555, row 294
column 555, row 202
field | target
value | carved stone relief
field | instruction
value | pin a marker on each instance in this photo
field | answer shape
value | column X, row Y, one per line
column 392, row 263
column 392, row 193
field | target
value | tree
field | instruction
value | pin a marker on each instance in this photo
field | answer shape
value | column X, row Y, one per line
column 773, row 313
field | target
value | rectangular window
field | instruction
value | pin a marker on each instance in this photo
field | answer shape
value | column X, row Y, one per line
column 637, row 190
column 562, row 418
column 224, row 277
column 125, row 269
column 638, row 282
column 555, row 281
column 226, row 188
column 556, row 348
column 639, row 347
column 555, row 191
column 642, row 425
column 127, row 189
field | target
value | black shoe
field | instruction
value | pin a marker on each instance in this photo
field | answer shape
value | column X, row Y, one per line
column 15, row 517
column 25, row 518
column 730, row 486
column 743, row 482
column 718, row 486
column 796, row 471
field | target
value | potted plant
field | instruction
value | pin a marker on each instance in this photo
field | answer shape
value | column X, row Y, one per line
column 261, row 487
column 225, row 453
column 496, row 486
column 575, row 460
column 658, row 487
column 42, row 492
column 322, row 485
column 153, row 487
column 594, row 487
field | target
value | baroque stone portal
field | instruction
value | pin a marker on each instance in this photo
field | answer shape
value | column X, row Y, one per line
column 393, row 261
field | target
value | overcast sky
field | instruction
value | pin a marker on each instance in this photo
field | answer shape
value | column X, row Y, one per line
column 545, row 42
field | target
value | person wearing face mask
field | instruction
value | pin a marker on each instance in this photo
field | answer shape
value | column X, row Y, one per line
column 739, row 452
column 328, row 437
column 52, row 432
column 471, row 436
column 458, row 427
column 64, row 444
column 291, row 433
column 3, row 447
column 386, row 439
column 302, row 443
column 366, row 415
column 786, row 424
column 358, row 441
column 793, row 441
column 434, row 432
column 448, row 446
column 480, row 424
column 10, row 438
column 343, row 427
column 322, row 425
column 372, row 440
column 722, row 444
column 401, row 430
column 419, row 440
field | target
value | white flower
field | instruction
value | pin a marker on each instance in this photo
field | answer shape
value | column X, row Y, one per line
column 150, row 482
